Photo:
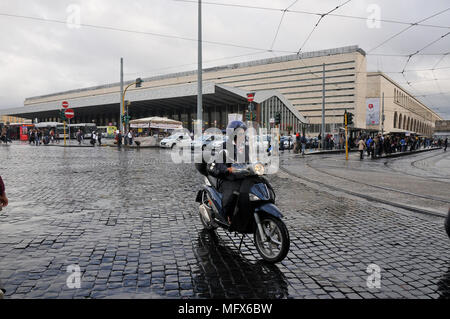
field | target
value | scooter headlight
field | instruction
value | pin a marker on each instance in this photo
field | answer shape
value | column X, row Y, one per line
column 253, row 197
column 259, row 169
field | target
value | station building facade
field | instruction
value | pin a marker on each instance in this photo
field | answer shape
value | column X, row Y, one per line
column 336, row 78
column 402, row 111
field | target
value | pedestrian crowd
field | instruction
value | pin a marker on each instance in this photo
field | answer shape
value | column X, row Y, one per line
column 379, row 145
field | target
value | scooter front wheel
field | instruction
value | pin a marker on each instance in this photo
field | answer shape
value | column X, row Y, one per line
column 276, row 245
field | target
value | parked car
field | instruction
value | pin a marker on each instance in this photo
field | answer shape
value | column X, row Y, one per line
column 176, row 139
column 312, row 142
column 284, row 140
column 205, row 140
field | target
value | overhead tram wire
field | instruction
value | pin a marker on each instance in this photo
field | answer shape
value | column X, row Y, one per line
column 406, row 29
column 281, row 21
column 440, row 60
column 400, row 32
column 418, row 51
column 174, row 36
column 311, row 13
column 109, row 28
column 425, row 47
column 410, row 25
column 318, row 22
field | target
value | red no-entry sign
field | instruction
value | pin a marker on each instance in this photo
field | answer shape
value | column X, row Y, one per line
column 250, row 97
column 65, row 104
column 69, row 113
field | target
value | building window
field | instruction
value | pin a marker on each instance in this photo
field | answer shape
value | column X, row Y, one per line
column 395, row 120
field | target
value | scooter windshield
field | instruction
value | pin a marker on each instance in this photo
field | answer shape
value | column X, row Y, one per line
column 261, row 191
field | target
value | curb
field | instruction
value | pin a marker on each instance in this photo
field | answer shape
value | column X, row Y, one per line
column 394, row 155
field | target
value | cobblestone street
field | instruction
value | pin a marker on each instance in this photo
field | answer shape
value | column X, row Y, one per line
column 129, row 220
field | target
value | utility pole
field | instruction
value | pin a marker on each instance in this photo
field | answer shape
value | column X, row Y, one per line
column 346, row 134
column 382, row 115
column 121, row 95
column 199, row 72
column 323, row 106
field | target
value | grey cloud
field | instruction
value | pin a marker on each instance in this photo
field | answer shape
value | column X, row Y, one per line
column 42, row 57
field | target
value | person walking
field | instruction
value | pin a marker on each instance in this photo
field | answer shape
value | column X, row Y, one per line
column 37, row 137
column 99, row 138
column 445, row 144
column 297, row 143
column 303, row 142
column 79, row 137
column 52, row 136
column 3, row 136
column 361, row 146
column 368, row 143
column 119, row 139
column 3, row 203
column 130, row 137
column 93, row 138
column 372, row 147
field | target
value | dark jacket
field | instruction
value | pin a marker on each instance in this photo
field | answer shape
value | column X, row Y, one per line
column 220, row 170
column 2, row 186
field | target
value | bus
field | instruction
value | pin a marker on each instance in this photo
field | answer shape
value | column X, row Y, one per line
column 86, row 129
column 107, row 131
column 57, row 127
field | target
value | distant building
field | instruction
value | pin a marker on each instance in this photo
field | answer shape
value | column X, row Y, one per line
column 6, row 119
column 402, row 111
column 442, row 129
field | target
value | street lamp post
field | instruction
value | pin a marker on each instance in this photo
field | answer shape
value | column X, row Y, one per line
column 138, row 84
column 199, row 72
column 121, row 95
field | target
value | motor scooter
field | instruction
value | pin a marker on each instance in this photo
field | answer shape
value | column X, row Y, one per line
column 257, row 201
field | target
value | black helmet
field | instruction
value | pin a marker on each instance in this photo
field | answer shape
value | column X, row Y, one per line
column 237, row 124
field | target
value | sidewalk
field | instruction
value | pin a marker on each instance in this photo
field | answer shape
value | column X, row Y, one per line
column 392, row 155
column 374, row 181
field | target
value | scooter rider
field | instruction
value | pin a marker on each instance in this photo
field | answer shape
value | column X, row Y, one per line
column 229, row 182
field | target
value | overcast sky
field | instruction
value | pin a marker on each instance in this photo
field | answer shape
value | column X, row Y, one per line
column 40, row 57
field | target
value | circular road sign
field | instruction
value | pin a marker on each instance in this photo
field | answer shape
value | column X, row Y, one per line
column 65, row 104
column 69, row 113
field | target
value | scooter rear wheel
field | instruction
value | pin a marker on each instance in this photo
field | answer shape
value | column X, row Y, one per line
column 207, row 224
column 275, row 248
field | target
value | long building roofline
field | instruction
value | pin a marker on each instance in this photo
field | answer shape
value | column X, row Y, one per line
column 380, row 73
column 285, row 58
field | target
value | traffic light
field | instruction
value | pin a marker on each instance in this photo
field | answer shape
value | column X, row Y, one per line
column 250, row 116
column 62, row 115
column 126, row 118
column 139, row 82
column 278, row 118
column 349, row 118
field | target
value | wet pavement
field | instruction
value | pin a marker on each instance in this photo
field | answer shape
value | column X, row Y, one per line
column 420, row 181
column 129, row 220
